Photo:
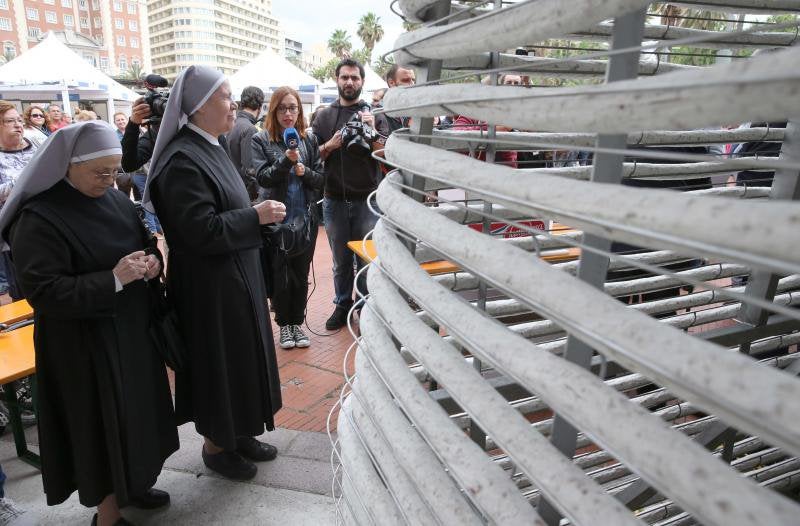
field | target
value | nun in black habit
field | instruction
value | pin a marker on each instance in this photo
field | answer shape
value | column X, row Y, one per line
column 230, row 387
column 106, row 421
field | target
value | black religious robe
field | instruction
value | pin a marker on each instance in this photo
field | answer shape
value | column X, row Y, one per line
column 230, row 386
column 106, row 421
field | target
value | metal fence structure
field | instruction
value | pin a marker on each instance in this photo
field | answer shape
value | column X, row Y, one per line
column 652, row 380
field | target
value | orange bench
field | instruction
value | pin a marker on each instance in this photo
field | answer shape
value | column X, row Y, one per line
column 18, row 361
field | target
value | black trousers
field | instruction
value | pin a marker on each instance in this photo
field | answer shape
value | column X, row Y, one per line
column 290, row 285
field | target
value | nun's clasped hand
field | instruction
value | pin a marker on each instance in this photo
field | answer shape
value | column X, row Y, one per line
column 137, row 265
column 270, row 212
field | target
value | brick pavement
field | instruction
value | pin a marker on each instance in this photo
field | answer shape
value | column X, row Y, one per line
column 312, row 378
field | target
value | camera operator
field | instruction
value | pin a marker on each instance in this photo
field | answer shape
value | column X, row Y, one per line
column 240, row 137
column 345, row 132
column 137, row 147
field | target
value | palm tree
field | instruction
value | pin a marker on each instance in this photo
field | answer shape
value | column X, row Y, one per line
column 370, row 31
column 339, row 43
column 134, row 71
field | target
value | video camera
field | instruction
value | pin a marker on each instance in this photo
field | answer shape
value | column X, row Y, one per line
column 156, row 97
column 357, row 136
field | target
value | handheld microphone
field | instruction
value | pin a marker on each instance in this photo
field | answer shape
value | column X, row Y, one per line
column 291, row 138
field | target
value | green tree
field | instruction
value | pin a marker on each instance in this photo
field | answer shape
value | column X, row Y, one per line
column 134, row 71
column 339, row 43
column 370, row 31
column 361, row 55
column 326, row 72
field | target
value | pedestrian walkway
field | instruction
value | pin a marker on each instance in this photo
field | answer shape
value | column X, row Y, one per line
column 293, row 489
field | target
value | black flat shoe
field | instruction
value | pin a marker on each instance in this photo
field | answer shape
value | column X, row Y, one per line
column 121, row 522
column 151, row 499
column 254, row 450
column 230, row 464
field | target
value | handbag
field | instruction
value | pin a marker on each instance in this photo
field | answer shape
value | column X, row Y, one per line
column 294, row 238
column 164, row 330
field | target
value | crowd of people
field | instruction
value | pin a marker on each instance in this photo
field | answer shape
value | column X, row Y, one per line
column 237, row 194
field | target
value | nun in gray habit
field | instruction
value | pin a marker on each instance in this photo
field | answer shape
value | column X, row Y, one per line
column 106, row 422
column 230, row 387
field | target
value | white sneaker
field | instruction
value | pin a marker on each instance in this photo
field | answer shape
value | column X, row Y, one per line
column 300, row 338
column 287, row 337
column 13, row 515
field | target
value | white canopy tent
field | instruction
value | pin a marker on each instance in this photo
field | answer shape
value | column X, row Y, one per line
column 269, row 71
column 52, row 71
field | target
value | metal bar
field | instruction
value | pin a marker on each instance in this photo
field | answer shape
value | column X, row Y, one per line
column 593, row 267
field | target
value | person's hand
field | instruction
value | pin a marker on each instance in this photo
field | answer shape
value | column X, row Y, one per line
column 131, row 267
column 153, row 267
column 300, row 169
column 140, row 112
column 335, row 143
column 367, row 118
column 293, row 155
column 270, row 212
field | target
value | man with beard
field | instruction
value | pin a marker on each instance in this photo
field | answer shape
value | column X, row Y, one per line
column 349, row 180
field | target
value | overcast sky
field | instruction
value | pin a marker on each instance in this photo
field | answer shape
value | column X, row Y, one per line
column 313, row 21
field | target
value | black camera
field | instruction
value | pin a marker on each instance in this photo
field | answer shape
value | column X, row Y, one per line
column 156, row 97
column 357, row 136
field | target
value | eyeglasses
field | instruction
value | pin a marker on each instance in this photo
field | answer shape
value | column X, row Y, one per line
column 288, row 109
column 102, row 176
column 11, row 122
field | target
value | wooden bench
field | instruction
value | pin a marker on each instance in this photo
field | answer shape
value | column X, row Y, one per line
column 18, row 361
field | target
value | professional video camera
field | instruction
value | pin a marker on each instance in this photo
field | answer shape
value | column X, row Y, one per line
column 156, row 97
column 357, row 136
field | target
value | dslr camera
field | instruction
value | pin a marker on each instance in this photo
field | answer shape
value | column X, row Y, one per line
column 357, row 136
column 156, row 97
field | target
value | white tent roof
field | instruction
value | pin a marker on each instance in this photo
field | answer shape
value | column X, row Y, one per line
column 52, row 66
column 372, row 80
column 270, row 70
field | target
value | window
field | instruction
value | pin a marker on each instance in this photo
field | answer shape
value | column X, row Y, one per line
column 123, row 63
column 9, row 49
column 5, row 24
column 132, row 25
column 117, row 6
column 66, row 3
column 104, row 63
column 3, row 4
column 33, row 14
column 50, row 2
column 119, row 23
column 120, row 40
column 34, row 32
column 84, row 22
column 69, row 21
column 90, row 59
column 82, row 4
column 98, row 23
column 135, row 61
column 95, row 5
column 131, row 8
column 134, row 42
column 51, row 17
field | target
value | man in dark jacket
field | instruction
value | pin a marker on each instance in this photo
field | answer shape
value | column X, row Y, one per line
column 239, row 138
column 349, row 180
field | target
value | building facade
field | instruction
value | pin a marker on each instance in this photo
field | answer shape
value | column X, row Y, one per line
column 112, row 35
column 224, row 34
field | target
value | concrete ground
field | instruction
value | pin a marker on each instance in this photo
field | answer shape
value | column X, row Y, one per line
column 294, row 489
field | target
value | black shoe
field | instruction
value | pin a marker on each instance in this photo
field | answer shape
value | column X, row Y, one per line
column 338, row 319
column 151, row 499
column 230, row 464
column 121, row 522
column 254, row 450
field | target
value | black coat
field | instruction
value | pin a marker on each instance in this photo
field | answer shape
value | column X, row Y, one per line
column 239, row 139
column 106, row 422
column 231, row 386
column 273, row 168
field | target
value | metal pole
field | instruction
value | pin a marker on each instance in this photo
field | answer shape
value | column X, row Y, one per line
column 628, row 31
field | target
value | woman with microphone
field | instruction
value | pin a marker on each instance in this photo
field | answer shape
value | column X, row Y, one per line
column 289, row 168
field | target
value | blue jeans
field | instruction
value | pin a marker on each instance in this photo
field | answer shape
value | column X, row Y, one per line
column 150, row 219
column 346, row 221
column 2, row 483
